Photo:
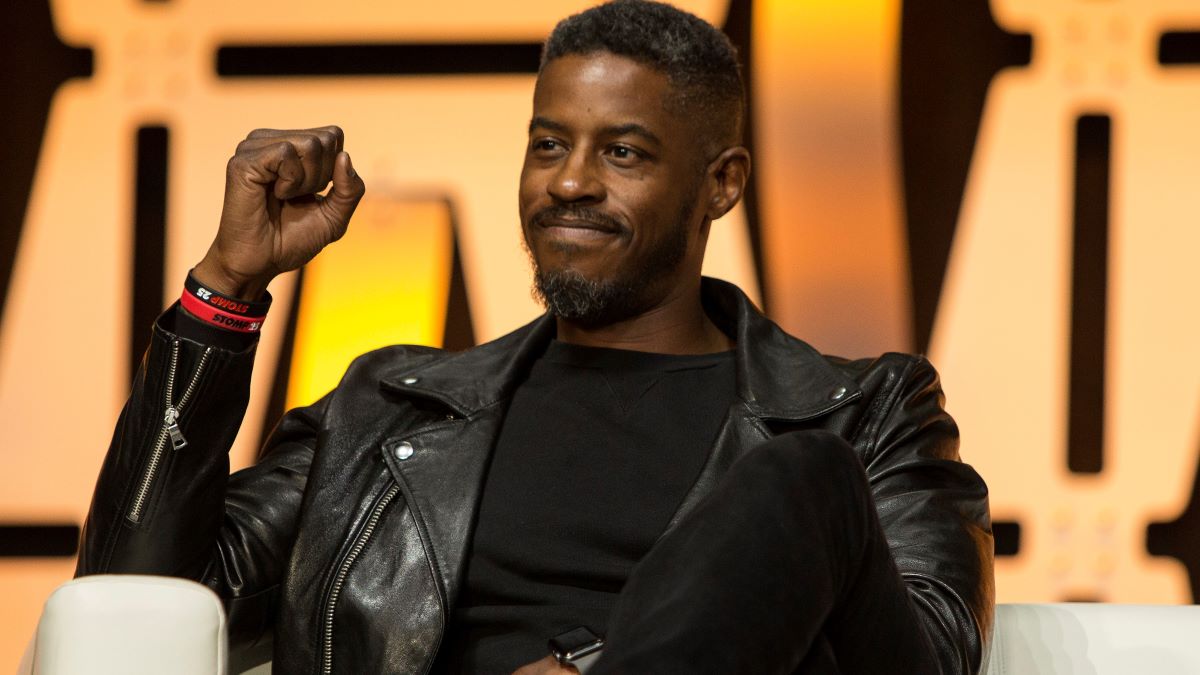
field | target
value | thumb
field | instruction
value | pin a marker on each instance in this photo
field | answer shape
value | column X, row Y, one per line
column 348, row 188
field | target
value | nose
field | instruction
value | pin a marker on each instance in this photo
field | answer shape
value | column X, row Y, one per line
column 576, row 180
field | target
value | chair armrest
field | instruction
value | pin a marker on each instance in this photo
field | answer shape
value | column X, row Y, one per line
column 130, row 624
column 1098, row 639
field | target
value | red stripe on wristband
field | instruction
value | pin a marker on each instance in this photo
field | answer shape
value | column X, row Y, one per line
column 227, row 303
column 205, row 312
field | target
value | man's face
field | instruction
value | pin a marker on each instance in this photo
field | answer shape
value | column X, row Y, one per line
column 609, row 189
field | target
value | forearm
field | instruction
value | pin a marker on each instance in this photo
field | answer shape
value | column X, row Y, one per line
column 159, row 500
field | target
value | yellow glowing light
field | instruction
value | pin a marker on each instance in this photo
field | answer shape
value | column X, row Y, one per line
column 385, row 282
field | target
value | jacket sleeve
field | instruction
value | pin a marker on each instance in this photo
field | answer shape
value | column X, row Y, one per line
column 934, row 512
column 165, row 503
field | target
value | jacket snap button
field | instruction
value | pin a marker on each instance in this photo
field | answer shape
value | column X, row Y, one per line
column 404, row 450
column 837, row 394
column 411, row 380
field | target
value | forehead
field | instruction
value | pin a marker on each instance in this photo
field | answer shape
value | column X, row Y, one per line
column 602, row 87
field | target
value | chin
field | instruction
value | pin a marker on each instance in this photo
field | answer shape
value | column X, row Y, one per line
column 588, row 301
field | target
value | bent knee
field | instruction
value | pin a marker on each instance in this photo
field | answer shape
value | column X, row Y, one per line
column 805, row 457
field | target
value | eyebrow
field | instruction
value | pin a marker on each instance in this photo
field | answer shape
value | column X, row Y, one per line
column 544, row 123
column 632, row 128
column 615, row 130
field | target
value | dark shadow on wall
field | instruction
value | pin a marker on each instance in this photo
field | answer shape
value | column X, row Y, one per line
column 949, row 52
column 1178, row 538
column 35, row 64
column 739, row 26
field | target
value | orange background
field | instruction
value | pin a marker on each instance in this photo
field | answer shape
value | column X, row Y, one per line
column 830, row 212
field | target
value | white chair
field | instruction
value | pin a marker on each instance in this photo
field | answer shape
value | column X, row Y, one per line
column 131, row 625
column 1095, row 639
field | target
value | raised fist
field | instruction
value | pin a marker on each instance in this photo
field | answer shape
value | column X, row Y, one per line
column 274, row 220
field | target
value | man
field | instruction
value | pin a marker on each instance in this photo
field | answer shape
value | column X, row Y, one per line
column 653, row 460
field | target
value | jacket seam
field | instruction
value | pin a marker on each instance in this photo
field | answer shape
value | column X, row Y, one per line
column 423, row 532
column 951, row 594
column 889, row 405
column 431, row 561
column 342, row 554
column 933, row 581
column 419, row 431
column 186, row 426
column 186, row 417
column 143, row 444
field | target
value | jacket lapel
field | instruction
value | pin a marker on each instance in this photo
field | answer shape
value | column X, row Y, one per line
column 475, row 379
column 442, row 470
column 779, row 379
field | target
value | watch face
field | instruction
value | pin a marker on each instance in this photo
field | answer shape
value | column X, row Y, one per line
column 584, row 662
column 575, row 644
column 585, row 650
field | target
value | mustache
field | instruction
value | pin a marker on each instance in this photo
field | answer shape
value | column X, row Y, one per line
column 582, row 214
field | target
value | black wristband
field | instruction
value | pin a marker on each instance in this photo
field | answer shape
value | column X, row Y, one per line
column 226, row 303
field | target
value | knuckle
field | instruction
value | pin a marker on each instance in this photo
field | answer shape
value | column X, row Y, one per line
column 239, row 169
column 259, row 133
column 308, row 145
column 287, row 149
column 236, row 164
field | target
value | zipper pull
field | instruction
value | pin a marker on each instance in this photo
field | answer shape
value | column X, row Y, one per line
column 171, row 420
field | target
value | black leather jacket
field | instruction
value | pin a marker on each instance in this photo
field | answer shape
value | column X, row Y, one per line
column 348, row 537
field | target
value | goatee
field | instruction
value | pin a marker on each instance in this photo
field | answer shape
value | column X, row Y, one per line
column 569, row 295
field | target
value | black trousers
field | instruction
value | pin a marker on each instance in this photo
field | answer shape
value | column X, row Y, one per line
column 783, row 568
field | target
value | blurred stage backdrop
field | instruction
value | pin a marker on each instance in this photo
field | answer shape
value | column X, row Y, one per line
column 1012, row 187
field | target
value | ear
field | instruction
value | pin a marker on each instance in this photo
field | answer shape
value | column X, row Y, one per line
column 726, row 177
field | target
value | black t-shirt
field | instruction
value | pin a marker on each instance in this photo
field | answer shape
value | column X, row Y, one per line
column 597, row 451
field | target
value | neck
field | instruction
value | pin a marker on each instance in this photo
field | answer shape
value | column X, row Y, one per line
column 677, row 325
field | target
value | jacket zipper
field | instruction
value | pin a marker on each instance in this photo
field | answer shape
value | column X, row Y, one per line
column 170, row 428
column 340, row 578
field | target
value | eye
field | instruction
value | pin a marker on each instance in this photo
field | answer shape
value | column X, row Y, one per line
column 546, row 145
column 624, row 154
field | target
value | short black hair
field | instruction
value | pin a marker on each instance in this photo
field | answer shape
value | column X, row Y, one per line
column 698, row 59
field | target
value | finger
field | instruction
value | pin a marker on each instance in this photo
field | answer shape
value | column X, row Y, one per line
column 317, row 149
column 334, row 136
column 260, row 134
column 272, row 134
column 330, row 139
column 329, row 152
column 318, row 169
column 348, row 189
column 284, row 162
column 269, row 134
column 276, row 164
column 260, row 142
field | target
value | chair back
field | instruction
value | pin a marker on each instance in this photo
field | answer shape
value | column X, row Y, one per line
column 1095, row 639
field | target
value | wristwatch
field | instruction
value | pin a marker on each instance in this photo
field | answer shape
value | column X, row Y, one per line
column 578, row 647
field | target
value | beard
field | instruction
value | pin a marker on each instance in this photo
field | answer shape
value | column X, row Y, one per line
column 630, row 291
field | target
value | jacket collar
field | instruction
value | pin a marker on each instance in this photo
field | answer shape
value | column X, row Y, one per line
column 779, row 377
